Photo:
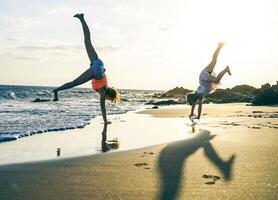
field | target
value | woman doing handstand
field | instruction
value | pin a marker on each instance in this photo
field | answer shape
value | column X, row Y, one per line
column 207, row 84
column 95, row 73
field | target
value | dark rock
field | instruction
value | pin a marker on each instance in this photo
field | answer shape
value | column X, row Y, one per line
column 155, row 107
column 40, row 131
column 163, row 103
column 266, row 97
column 52, row 129
column 72, row 127
column 227, row 96
column 265, row 86
column 40, row 100
column 244, row 89
column 176, row 92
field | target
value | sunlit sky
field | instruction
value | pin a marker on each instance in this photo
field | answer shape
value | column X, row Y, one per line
column 157, row 44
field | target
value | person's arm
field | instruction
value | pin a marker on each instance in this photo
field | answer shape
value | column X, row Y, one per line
column 200, row 108
column 102, row 106
column 215, row 56
column 103, row 109
column 192, row 110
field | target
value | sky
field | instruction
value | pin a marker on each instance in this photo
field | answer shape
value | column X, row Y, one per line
column 158, row 44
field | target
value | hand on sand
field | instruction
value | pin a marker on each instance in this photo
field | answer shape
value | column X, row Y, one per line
column 221, row 44
column 195, row 117
column 191, row 116
column 79, row 15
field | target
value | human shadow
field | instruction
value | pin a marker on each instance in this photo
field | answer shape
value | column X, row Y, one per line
column 172, row 160
column 107, row 145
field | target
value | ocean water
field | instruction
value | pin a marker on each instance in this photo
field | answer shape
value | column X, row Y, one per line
column 20, row 117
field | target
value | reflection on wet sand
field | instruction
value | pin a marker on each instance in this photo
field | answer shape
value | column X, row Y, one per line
column 107, row 145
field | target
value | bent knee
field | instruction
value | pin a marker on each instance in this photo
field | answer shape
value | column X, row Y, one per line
column 214, row 79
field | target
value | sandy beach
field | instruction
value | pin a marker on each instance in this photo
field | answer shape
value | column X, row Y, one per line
column 230, row 154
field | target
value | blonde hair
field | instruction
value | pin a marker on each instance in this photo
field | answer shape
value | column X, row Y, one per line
column 117, row 97
column 114, row 94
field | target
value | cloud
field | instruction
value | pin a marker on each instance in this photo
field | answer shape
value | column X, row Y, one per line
column 11, row 40
column 17, row 56
column 12, row 21
column 50, row 48
column 56, row 10
column 107, row 48
column 62, row 49
column 163, row 28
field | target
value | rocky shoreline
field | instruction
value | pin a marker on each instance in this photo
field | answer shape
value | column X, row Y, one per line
column 266, row 95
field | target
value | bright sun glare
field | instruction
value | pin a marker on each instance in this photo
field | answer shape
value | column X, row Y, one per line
column 244, row 25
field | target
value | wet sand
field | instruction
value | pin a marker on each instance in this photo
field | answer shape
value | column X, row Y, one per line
column 227, row 160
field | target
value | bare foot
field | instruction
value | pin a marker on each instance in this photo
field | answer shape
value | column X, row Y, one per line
column 228, row 70
column 221, row 44
column 79, row 15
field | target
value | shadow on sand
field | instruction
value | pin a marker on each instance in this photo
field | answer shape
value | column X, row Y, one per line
column 172, row 160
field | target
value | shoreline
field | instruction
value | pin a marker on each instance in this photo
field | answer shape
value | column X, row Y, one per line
column 91, row 139
column 235, row 163
column 209, row 161
column 88, row 140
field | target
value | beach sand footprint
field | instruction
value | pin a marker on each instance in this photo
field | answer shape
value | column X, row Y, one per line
column 140, row 164
column 212, row 178
column 146, row 153
column 147, row 168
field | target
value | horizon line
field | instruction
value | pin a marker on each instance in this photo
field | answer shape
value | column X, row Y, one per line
column 7, row 84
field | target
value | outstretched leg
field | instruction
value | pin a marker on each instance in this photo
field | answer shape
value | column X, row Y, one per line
column 87, row 38
column 87, row 75
column 83, row 78
column 220, row 75
column 214, row 58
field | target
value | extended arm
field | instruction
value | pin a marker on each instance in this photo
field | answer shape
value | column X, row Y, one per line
column 200, row 108
column 102, row 104
column 215, row 56
column 192, row 110
column 103, row 109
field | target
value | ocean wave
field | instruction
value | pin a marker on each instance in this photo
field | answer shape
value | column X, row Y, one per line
column 11, row 95
column 20, row 117
column 32, row 92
